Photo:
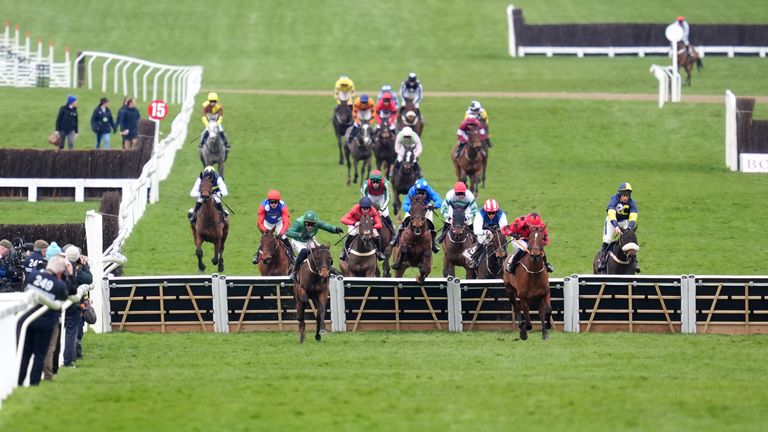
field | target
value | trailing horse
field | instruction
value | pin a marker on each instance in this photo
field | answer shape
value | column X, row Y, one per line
column 402, row 181
column 491, row 262
column 361, row 257
column 686, row 61
column 471, row 160
column 409, row 116
column 312, row 283
column 342, row 120
column 209, row 227
column 528, row 287
column 415, row 246
column 384, row 149
column 621, row 255
column 458, row 239
column 274, row 259
column 213, row 150
column 361, row 149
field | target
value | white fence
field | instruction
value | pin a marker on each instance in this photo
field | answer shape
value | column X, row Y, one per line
column 20, row 66
column 734, row 159
column 670, row 83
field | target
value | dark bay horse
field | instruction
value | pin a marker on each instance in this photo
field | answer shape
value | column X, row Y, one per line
column 209, row 228
column 491, row 262
column 458, row 239
column 274, row 259
column 622, row 254
column 415, row 246
column 409, row 116
column 386, row 234
column 361, row 149
column 313, row 284
column 471, row 161
column 529, row 287
column 402, row 181
column 213, row 150
column 342, row 120
column 384, row 149
column 686, row 61
column 361, row 259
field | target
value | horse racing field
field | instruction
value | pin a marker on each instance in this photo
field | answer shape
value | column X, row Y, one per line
column 566, row 132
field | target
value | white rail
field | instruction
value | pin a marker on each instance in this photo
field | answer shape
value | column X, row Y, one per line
column 670, row 83
column 20, row 66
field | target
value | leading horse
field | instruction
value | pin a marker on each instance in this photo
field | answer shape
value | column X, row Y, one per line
column 528, row 287
column 687, row 60
column 213, row 150
column 209, row 227
column 458, row 239
column 415, row 246
column 621, row 255
column 342, row 120
column 312, row 283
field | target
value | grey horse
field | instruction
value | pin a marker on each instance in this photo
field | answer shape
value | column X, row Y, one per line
column 213, row 151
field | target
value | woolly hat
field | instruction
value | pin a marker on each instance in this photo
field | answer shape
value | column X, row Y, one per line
column 72, row 253
column 53, row 250
column 71, row 99
column 40, row 245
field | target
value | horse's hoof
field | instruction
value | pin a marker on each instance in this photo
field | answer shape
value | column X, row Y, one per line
column 323, row 332
column 214, row 260
column 529, row 326
column 221, row 267
column 318, row 337
column 523, row 335
column 545, row 336
column 201, row 268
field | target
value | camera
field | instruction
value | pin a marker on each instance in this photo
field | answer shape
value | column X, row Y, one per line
column 14, row 266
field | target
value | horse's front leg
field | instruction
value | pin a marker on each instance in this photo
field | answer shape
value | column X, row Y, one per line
column 339, row 138
column 545, row 311
column 357, row 162
column 300, row 293
column 349, row 165
column 322, row 301
column 199, row 254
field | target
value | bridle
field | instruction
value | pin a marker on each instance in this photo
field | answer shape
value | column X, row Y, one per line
column 535, row 258
column 275, row 250
column 310, row 259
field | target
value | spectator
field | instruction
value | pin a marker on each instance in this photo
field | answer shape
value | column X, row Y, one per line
column 51, row 284
column 36, row 260
column 66, row 123
column 73, row 317
column 128, row 119
column 102, row 123
column 49, row 367
column 5, row 250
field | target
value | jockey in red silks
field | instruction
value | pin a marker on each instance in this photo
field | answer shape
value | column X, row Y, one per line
column 386, row 111
column 352, row 219
column 520, row 230
column 463, row 133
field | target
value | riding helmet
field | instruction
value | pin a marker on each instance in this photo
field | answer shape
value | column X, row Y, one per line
column 364, row 99
column 533, row 220
column 208, row 171
column 459, row 187
column 212, row 96
column 491, row 206
column 310, row 216
column 625, row 187
column 375, row 175
column 365, row 202
column 681, row 18
column 407, row 131
column 421, row 184
column 274, row 194
column 412, row 77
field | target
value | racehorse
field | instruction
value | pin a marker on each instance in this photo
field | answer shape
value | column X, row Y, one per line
column 491, row 262
column 471, row 160
column 529, row 286
column 342, row 120
column 361, row 257
column 405, row 177
column 313, row 284
column 384, row 149
column 415, row 246
column 686, row 61
column 458, row 239
column 361, row 149
column 486, row 146
column 410, row 116
column 622, row 254
column 209, row 227
column 274, row 259
column 213, row 151
column 386, row 234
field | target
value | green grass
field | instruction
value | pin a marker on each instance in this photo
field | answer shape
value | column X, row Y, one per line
column 404, row 381
column 46, row 211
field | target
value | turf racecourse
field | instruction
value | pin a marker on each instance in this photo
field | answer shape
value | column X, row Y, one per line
column 408, row 381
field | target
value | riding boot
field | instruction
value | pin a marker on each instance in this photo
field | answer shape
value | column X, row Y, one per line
column 299, row 260
column 396, row 239
column 345, row 251
column 379, row 250
column 396, row 167
column 459, row 149
column 601, row 260
column 637, row 266
column 257, row 256
column 474, row 260
column 203, row 139
column 550, row 269
column 289, row 249
column 515, row 259
column 193, row 217
column 441, row 237
column 352, row 133
column 226, row 141
column 222, row 213
column 435, row 243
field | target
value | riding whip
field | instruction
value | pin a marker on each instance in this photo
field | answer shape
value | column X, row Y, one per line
column 342, row 238
column 228, row 207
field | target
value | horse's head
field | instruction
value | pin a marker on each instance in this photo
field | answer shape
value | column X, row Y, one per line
column 628, row 242
column 365, row 229
column 498, row 243
column 365, row 136
column 206, row 188
column 343, row 114
column 458, row 221
column 408, row 161
column 409, row 117
column 536, row 243
column 320, row 257
column 268, row 246
column 418, row 215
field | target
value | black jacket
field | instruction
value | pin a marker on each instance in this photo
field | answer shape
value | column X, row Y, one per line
column 102, row 121
column 66, row 121
column 128, row 119
column 82, row 276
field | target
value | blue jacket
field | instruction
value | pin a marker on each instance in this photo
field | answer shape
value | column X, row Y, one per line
column 49, row 286
column 128, row 119
column 617, row 211
column 432, row 197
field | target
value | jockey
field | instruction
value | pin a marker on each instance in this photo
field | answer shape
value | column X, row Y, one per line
column 431, row 199
column 622, row 213
column 344, row 90
column 406, row 140
column 686, row 33
column 379, row 191
column 477, row 111
column 459, row 196
column 302, row 232
column 411, row 89
column 274, row 215
column 491, row 217
column 386, row 111
column 213, row 112
column 388, row 88
column 463, row 135
column 219, row 192
column 520, row 229
column 352, row 219
column 363, row 106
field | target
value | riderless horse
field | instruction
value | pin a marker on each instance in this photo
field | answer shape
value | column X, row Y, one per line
column 405, row 177
column 342, row 120
column 491, row 262
column 209, row 227
column 384, row 149
column 274, row 260
column 415, row 246
column 528, row 287
column 458, row 239
column 621, row 255
column 361, row 149
column 471, row 160
column 361, row 256
column 687, row 60
column 312, row 284
column 213, row 150
column 409, row 116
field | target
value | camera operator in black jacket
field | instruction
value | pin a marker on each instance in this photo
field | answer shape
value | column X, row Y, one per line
column 73, row 317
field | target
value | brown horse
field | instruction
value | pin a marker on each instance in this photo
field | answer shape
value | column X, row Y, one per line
column 402, row 181
column 409, row 116
column 209, row 227
column 491, row 262
column 384, row 149
column 686, row 61
column 361, row 150
column 458, row 239
column 386, row 234
column 274, row 259
column 471, row 160
column 313, row 284
column 415, row 246
column 361, row 258
column 342, row 120
column 622, row 254
column 529, row 287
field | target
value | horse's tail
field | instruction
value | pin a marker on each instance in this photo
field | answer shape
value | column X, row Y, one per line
column 699, row 64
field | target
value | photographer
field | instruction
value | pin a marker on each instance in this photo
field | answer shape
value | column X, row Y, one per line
column 36, row 260
column 50, row 284
column 5, row 251
column 12, row 264
column 73, row 317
